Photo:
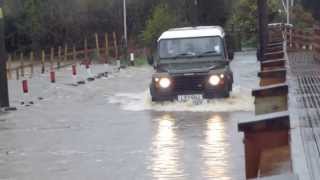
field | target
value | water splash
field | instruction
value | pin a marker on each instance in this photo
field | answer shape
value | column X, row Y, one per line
column 240, row 100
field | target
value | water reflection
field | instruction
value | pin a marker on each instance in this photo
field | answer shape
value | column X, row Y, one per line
column 214, row 149
column 166, row 161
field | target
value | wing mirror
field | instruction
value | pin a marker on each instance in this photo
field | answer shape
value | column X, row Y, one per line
column 230, row 55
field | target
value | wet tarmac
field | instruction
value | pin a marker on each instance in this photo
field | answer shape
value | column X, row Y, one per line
column 109, row 129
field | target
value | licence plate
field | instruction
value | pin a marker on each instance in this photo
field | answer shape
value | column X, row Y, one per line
column 193, row 98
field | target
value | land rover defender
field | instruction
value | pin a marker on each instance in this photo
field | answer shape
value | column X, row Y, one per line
column 191, row 62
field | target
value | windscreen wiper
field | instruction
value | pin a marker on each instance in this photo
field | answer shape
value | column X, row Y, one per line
column 183, row 55
column 207, row 53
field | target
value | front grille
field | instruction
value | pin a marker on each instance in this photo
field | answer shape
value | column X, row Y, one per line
column 189, row 83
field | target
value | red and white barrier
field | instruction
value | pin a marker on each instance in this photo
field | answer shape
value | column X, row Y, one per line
column 52, row 77
column 25, row 87
column 26, row 94
column 79, row 74
column 89, row 74
column 74, row 75
column 74, row 70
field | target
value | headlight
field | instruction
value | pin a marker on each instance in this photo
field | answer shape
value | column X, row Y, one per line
column 214, row 80
column 165, row 82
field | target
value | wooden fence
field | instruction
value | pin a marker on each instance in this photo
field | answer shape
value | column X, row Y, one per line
column 300, row 39
column 309, row 39
column 60, row 56
column 316, row 42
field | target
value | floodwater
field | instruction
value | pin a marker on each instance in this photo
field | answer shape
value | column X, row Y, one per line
column 109, row 129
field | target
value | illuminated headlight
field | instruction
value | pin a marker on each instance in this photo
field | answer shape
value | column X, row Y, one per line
column 214, row 80
column 165, row 82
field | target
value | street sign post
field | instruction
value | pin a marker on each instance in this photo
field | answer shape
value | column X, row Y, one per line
column 263, row 27
column 125, row 31
column 4, row 95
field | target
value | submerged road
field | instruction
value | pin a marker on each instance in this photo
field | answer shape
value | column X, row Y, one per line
column 109, row 129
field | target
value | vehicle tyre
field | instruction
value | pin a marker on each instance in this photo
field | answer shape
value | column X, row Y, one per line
column 226, row 94
column 156, row 98
column 153, row 93
column 161, row 99
column 230, row 87
column 209, row 96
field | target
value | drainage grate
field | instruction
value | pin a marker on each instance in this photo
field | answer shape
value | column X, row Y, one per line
column 306, row 73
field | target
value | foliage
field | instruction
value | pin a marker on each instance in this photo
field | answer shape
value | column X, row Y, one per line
column 222, row 9
column 31, row 24
column 140, row 61
column 313, row 6
column 245, row 16
column 34, row 24
column 302, row 18
column 161, row 20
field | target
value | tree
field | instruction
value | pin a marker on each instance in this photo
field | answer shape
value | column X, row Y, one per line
column 302, row 18
column 313, row 6
column 213, row 12
column 31, row 23
column 162, row 19
column 34, row 24
column 245, row 17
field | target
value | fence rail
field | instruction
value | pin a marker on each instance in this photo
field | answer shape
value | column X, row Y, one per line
column 103, row 51
column 301, row 39
column 316, row 42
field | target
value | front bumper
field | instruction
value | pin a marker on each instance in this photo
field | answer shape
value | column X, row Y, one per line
column 183, row 85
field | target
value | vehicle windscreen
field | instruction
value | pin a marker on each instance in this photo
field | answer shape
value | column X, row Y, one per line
column 190, row 47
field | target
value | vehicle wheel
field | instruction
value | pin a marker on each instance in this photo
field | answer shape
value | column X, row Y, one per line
column 154, row 99
column 230, row 87
column 209, row 96
column 153, row 93
column 152, row 90
column 226, row 94
column 161, row 99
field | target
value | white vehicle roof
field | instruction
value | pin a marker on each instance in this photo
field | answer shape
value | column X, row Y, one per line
column 191, row 32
